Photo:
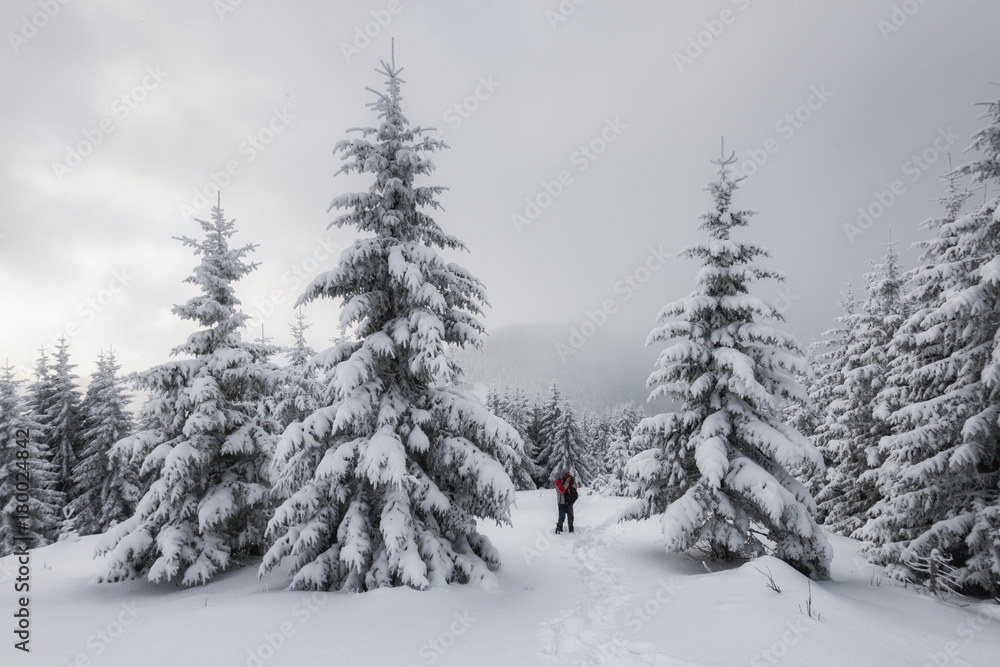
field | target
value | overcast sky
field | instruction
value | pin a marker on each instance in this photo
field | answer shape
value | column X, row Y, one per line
column 115, row 114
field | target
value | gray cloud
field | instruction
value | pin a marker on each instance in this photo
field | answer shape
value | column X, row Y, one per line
column 558, row 88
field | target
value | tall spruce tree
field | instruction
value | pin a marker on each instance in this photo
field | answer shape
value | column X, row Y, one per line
column 204, row 443
column 535, row 427
column 829, row 366
column 63, row 418
column 30, row 502
column 718, row 470
column 512, row 407
column 566, row 448
column 39, row 399
column 941, row 474
column 851, row 489
column 520, row 415
column 383, row 485
column 105, row 490
column 549, row 417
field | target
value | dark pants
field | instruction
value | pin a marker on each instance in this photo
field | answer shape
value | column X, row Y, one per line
column 565, row 512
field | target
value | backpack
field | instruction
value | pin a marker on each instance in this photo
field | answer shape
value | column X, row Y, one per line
column 570, row 495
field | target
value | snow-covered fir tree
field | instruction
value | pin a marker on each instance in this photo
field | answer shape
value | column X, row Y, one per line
column 828, row 369
column 512, row 407
column 54, row 404
column 203, row 442
column 718, row 470
column 562, row 442
column 300, row 353
column 923, row 369
column 941, row 474
column 105, row 490
column 39, row 398
column 63, row 418
column 597, row 441
column 621, row 423
column 25, row 467
column 859, row 427
column 301, row 391
column 383, row 485
column 625, row 417
column 519, row 413
column 548, row 417
column 534, row 428
column 805, row 417
column 615, row 461
column 566, row 448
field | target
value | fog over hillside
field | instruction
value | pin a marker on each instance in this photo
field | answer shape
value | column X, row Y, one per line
column 608, row 369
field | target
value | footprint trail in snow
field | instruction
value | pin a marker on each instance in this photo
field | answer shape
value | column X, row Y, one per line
column 592, row 632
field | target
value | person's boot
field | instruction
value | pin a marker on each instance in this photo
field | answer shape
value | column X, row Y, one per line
column 558, row 528
column 570, row 525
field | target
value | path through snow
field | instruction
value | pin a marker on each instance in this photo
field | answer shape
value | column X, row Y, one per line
column 590, row 633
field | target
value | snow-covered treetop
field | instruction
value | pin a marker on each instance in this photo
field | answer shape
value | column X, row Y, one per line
column 884, row 285
column 719, row 221
column 218, row 306
column 391, row 206
column 987, row 142
column 721, row 313
column 62, row 368
column 8, row 393
column 394, row 284
column 300, row 352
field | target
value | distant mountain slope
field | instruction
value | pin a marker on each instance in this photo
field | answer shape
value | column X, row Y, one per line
column 609, row 368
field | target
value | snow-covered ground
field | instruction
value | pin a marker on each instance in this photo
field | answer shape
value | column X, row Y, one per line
column 606, row 595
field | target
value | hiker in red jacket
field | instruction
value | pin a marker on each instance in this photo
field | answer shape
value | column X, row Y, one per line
column 566, row 495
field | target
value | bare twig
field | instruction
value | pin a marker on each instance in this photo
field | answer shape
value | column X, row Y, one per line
column 770, row 580
column 809, row 604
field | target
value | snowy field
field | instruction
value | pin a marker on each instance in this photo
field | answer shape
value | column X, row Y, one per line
column 606, row 595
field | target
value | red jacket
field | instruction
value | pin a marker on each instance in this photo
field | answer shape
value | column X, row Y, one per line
column 561, row 489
